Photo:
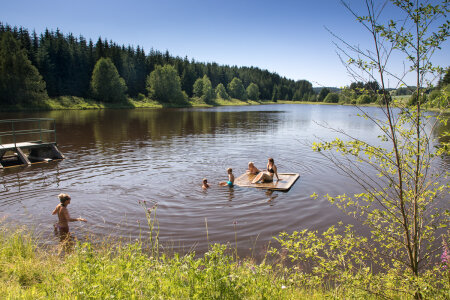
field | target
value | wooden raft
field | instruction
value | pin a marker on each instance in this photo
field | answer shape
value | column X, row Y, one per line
column 286, row 181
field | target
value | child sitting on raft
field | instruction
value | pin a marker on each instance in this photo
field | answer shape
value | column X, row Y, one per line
column 252, row 169
column 230, row 181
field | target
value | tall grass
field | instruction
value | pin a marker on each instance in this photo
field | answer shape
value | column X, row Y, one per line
column 125, row 271
column 135, row 271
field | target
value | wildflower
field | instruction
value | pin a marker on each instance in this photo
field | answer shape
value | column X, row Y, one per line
column 445, row 257
column 283, row 287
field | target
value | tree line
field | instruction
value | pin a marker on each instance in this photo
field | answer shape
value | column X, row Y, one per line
column 51, row 64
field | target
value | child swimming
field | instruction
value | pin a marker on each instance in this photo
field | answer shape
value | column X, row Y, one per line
column 205, row 184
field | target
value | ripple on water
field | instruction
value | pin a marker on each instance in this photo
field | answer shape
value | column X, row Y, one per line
column 117, row 158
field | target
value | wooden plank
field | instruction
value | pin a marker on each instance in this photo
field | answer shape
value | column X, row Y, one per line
column 23, row 158
column 12, row 146
column 286, row 181
column 25, row 145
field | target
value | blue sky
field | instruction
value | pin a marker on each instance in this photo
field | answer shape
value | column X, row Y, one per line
column 287, row 37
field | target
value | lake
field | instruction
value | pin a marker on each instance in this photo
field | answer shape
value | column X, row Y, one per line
column 114, row 158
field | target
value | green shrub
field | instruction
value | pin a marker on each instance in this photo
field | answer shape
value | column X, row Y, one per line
column 364, row 99
column 331, row 98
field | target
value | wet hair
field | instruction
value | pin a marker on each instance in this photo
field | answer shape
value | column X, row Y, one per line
column 251, row 163
column 204, row 180
column 63, row 198
column 229, row 170
column 271, row 160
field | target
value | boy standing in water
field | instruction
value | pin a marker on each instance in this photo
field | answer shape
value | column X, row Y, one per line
column 230, row 181
column 63, row 215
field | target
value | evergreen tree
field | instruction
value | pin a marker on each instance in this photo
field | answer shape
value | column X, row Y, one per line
column 188, row 78
column 253, row 91
column 20, row 81
column 106, row 84
column 66, row 64
column 323, row 93
column 276, row 93
column 445, row 80
column 297, row 96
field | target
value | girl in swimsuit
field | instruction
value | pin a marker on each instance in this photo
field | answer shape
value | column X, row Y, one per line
column 267, row 176
column 252, row 169
column 63, row 215
column 230, row 181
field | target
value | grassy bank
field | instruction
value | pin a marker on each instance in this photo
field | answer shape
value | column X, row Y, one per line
column 78, row 103
column 128, row 272
column 136, row 271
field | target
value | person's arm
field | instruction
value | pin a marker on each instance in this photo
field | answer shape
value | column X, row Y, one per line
column 69, row 219
column 276, row 172
column 55, row 211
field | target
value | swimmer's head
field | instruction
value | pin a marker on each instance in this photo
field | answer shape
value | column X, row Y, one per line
column 250, row 164
column 229, row 170
column 63, row 198
column 271, row 160
column 205, row 180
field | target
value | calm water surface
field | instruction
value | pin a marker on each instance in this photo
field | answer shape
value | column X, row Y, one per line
column 114, row 158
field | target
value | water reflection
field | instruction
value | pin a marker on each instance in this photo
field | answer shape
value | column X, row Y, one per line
column 117, row 157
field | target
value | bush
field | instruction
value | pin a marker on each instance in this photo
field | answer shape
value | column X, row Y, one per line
column 221, row 92
column 364, row 99
column 141, row 97
column 163, row 84
column 106, row 83
column 413, row 99
column 331, row 98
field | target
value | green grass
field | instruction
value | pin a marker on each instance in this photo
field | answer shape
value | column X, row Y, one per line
column 78, row 103
column 117, row 270
column 126, row 271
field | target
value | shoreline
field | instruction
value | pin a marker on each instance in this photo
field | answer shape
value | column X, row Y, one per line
column 79, row 103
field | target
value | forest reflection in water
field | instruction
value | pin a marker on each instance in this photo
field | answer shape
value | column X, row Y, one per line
column 115, row 158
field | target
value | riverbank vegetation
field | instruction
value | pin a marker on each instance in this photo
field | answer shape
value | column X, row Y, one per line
column 128, row 271
column 402, row 204
column 140, row 270
column 403, row 198
column 44, row 71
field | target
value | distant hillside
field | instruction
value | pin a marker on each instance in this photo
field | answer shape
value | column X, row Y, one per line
column 332, row 89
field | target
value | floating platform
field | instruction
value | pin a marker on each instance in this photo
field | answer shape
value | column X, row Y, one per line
column 286, row 181
column 23, row 153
